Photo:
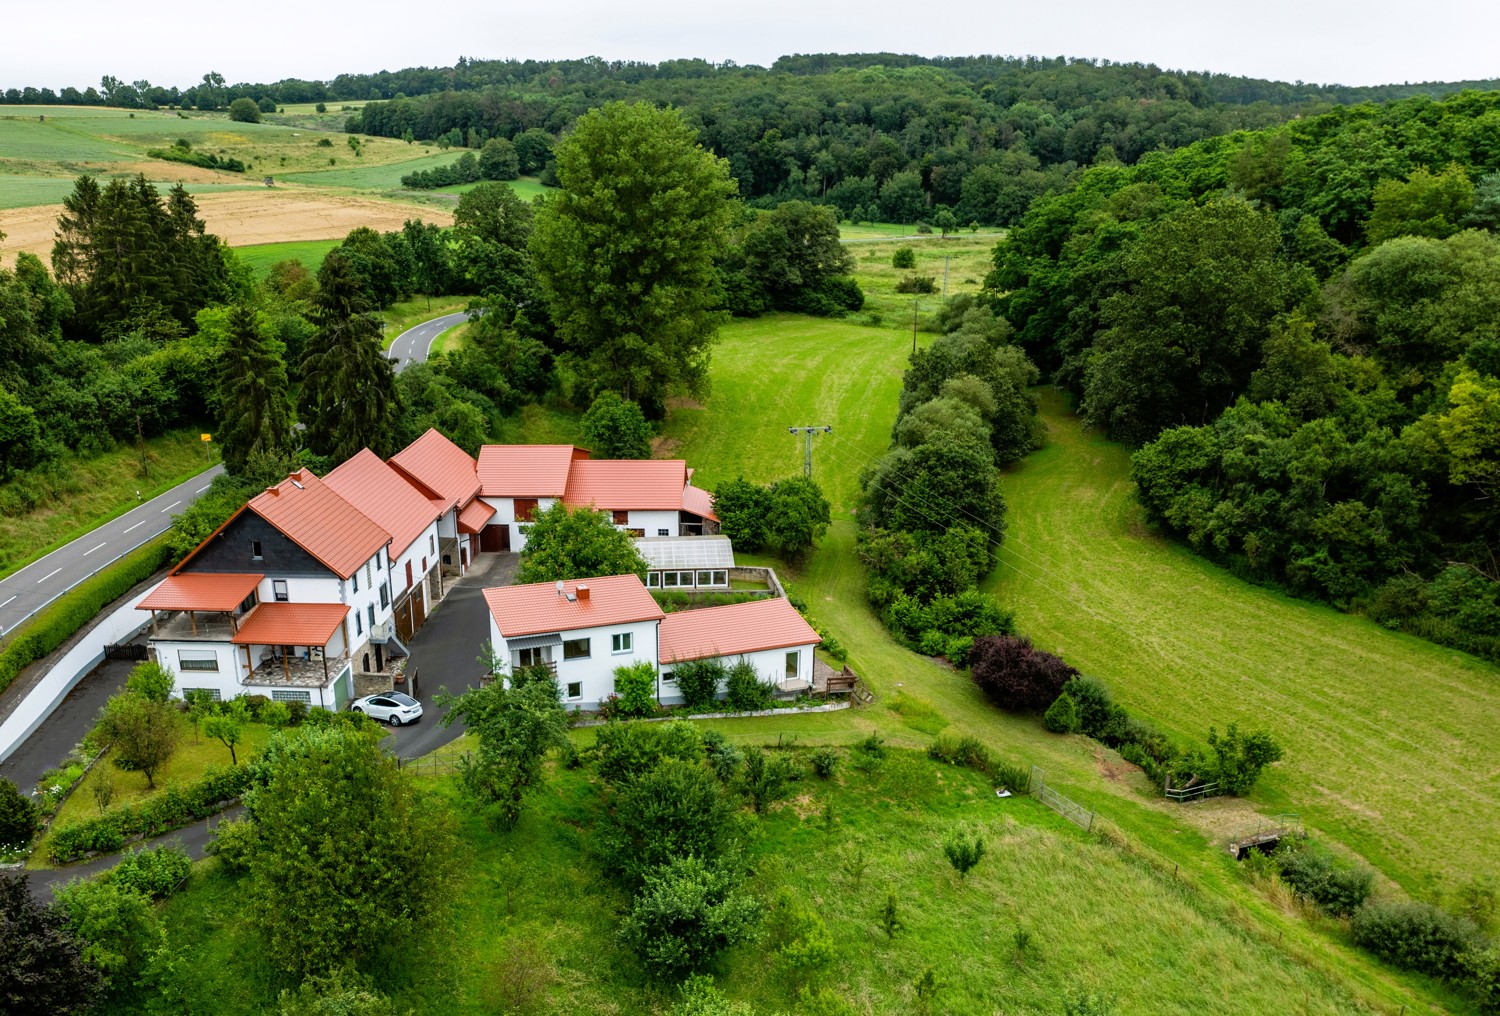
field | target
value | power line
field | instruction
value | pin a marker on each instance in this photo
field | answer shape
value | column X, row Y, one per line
column 807, row 436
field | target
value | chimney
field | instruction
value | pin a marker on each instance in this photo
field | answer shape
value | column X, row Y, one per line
column 583, row 593
column 559, row 589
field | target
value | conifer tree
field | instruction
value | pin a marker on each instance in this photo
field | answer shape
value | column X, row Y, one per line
column 255, row 414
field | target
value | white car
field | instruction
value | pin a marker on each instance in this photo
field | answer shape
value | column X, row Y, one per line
column 393, row 707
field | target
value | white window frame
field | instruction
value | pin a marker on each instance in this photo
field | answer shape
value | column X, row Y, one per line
column 669, row 580
column 794, row 663
column 355, row 578
column 186, row 658
column 721, row 577
column 701, row 581
column 653, row 580
column 257, row 552
column 571, row 695
column 622, row 642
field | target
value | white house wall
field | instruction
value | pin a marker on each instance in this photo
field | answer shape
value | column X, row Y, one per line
column 770, row 664
column 653, row 523
column 595, row 675
column 505, row 514
column 423, row 549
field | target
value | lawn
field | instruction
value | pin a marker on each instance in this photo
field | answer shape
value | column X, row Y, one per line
column 352, row 173
column 527, row 187
column 262, row 256
column 1100, row 920
column 74, row 494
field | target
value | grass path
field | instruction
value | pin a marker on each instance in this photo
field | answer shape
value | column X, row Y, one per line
column 1390, row 740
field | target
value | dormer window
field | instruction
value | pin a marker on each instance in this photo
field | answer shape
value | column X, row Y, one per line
column 255, row 554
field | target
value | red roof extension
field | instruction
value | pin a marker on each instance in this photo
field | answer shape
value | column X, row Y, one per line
column 732, row 630
column 623, row 484
column 537, row 608
column 698, row 501
column 385, row 496
column 473, row 518
column 290, row 624
column 526, row 470
column 201, row 591
column 329, row 528
column 440, row 466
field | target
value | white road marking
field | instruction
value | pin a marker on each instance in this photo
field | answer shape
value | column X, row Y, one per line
column 47, row 576
column 86, row 553
column 202, row 488
column 174, row 504
column 137, row 525
column 8, row 601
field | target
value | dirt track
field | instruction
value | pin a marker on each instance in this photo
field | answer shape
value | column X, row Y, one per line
column 242, row 218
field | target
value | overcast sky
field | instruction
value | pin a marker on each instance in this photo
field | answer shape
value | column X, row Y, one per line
column 1356, row 42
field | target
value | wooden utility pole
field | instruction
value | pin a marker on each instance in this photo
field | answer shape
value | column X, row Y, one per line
column 807, row 436
column 914, row 305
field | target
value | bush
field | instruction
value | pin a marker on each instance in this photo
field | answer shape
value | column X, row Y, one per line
column 244, row 110
column 625, row 751
column 1061, row 716
column 1016, row 676
column 19, row 817
column 872, row 746
column 116, row 923
column 687, row 912
column 1415, row 936
column 71, row 611
column 151, row 681
column 1234, row 761
column 724, row 757
column 169, row 809
column 699, row 997
column 635, row 690
column 824, row 761
column 917, row 284
column 806, row 946
column 338, row 993
column 964, row 851
column 676, row 809
column 904, row 257
column 616, row 428
column 1317, row 876
column 766, row 778
column 746, row 691
column 155, row 873
column 233, row 844
column 699, row 681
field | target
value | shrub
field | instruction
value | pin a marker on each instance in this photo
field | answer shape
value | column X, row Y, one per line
column 746, row 691
column 963, row 850
column 1415, row 936
column 687, row 912
column 904, row 257
column 766, row 778
column 699, row 681
column 1061, row 716
column 872, row 746
column 1234, row 761
column 151, row 681
column 244, row 110
column 676, row 809
column 958, row 649
column 116, row 923
column 635, row 690
column 806, row 946
column 616, row 428
column 19, row 817
column 699, row 997
column 824, row 761
column 155, row 873
column 170, row 809
column 1015, row 675
column 233, row 844
column 1316, row 875
column 337, row 993
column 917, row 284
column 625, row 751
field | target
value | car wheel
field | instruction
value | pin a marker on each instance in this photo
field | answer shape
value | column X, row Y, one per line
column 357, row 709
column 395, row 719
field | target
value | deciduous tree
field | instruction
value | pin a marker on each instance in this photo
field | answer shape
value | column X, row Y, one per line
column 615, row 428
column 576, row 543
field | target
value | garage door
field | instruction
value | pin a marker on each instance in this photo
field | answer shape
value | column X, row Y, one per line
column 494, row 538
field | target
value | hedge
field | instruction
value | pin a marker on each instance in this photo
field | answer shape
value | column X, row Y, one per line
column 172, row 808
column 77, row 607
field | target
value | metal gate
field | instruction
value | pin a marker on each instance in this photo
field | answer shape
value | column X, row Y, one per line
column 125, row 651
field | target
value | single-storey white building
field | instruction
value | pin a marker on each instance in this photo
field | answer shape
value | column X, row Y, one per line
column 769, row 634
column 687, row 562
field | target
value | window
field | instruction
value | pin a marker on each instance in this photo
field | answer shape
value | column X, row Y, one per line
column 255, row 554
column 246, row 604
column 291, row 695
column 663, row 532
column 705, row 578
column 533, row 657
column 278, row 590
column 667, row 678
column 197, row 659
column 669, row 579
column 370, row 610
column 575, row 689
column 525, row 508
column 721, row 578
column 355, row 577
column 212, row 693
column 635, row 534
column 621, row 642
column 358, row 627
column 431, row 544
column 385, row 596
column 793, row 663
column 653, row 580
column 576, row 649
column 369, row 575
column 621, row 518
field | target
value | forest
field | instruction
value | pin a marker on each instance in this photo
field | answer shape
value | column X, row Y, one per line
column 1298, row 328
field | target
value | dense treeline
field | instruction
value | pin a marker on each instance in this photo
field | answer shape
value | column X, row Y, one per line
column 1299, row 326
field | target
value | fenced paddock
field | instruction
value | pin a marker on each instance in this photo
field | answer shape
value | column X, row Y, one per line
column 1069, row 809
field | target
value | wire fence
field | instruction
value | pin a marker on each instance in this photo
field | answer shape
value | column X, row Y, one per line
column 1066, row 807
column 430, row 765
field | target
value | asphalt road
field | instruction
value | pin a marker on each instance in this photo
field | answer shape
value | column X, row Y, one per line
column 414, row 344
column 40, row 582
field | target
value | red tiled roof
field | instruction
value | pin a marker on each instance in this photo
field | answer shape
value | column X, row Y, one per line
column 525, row 470
column 290, row 624
column 441, row 466
column 698, row 501
column 622, row 484
column 201, row 591
column 383, row 494
column 315, row 518
column 732, row 630
column 473, row 518
column 536, row 608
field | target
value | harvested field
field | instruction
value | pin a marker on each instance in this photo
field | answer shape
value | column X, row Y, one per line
column 242, row 218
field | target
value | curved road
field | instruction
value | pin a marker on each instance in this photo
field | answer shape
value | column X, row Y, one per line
column 42, row 581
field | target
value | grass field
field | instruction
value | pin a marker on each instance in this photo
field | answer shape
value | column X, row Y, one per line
column 262, row 256
column 965, row 260
column 527, row 187
column 1101, row 921
column 74, row 494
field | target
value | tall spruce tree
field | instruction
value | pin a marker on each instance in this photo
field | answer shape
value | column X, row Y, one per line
column 255, row 413
column 348, row 398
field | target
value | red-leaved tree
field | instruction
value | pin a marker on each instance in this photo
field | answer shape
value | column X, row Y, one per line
column 1015, row 675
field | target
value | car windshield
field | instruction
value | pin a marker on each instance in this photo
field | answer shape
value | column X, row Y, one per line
column 402, row 699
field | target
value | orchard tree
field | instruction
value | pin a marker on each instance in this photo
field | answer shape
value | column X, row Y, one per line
column 348, row 397
column 144, row 731
column 616, row 428
column 626, row 253
column 798, row 516
column 255, row 413
column 576, row 543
